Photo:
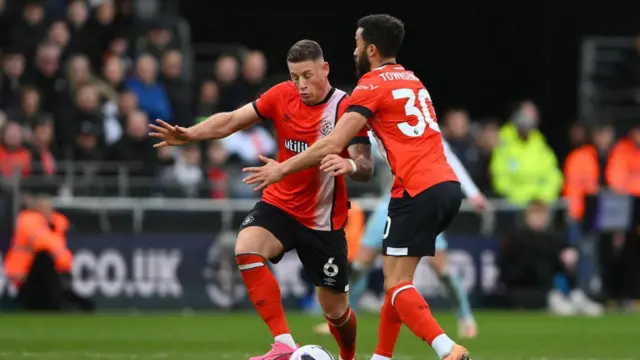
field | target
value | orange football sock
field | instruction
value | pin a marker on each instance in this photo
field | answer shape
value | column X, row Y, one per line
column 343, row 330
column 414, row 311
column 388, row 329
column 264, row 292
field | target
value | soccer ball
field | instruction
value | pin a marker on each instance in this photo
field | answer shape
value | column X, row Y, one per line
column 311, row 352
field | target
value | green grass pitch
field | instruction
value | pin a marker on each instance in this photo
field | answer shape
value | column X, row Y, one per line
column 214, row 336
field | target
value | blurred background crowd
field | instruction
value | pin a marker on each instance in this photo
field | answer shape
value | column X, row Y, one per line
column 81, row 80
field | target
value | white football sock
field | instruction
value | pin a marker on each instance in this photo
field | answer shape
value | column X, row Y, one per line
column 442, row 345
column 286, row 339
column 379, row 357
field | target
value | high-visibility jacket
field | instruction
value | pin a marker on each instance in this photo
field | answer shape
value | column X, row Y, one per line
column 623, row 169
column 525, row 170
column 582, row 178
column 33, row 234
column 354, row 230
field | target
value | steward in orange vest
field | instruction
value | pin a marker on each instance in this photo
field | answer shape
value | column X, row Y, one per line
column 38, row 259
column 37, row 231
column 623, row 171
column 585, row 167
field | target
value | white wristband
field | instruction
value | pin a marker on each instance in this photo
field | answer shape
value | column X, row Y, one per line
column 353, row 165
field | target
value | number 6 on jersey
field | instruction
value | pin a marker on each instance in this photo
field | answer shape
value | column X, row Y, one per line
column 425, row 113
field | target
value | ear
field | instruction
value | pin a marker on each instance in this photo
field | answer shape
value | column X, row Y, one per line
column 372, row 50
column 325, row 68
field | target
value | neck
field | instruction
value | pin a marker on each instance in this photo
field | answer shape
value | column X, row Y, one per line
column 379, row 62
column 323, row 94
column 325, row 91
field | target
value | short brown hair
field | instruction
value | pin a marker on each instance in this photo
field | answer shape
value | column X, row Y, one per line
column 304, row 50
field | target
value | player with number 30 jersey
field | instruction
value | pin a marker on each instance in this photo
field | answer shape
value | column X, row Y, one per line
column 401, row 116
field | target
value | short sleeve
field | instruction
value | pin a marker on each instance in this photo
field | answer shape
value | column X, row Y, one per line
column 266, row 104
column 362, row 137
column 365, row 99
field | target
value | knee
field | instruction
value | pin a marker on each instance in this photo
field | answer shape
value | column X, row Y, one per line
column 334, row 306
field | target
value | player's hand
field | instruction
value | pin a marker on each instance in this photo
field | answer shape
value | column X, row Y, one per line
column 171, row 135
column 270, row 173
column 336, row 165
column 479, row 203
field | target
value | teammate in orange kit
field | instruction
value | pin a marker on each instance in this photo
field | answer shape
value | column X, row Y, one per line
column 426, row 194
column 308, row 210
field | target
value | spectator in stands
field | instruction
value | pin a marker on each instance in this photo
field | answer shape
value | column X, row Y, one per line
column 523, row 167
column 158, row 39
column 60, row 36
column 83, row 35
column 254, row 69
column 14, row 156
column 113, row 73
column 623, row 172
column 152, row 97
column 28, row 113
column 87, row 108
column 119, row 47
column 104, row 22
column 79, row 73
column 11, row 79
column 531, row 257
column 456, row 130
column 178, row 90
column 186, row 173
column 28, row 31
column 487, row 140
column 216, row 173
column 585, row 167
column 208, row 100
column 42, row 157
column 245, row 145
column 226, row 75
column 127, row 104
column 87, row 142
column 136, row 147
column 47, row 78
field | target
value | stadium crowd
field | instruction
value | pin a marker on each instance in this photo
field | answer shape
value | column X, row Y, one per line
column 80, row 83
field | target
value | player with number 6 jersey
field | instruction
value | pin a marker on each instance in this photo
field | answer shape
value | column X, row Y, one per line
column 426, row 194
column 306, row 212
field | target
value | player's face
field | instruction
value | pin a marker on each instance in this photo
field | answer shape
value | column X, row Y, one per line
column 310, row 78
column 363, row 65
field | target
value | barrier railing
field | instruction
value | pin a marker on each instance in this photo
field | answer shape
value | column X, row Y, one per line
column 228, row 207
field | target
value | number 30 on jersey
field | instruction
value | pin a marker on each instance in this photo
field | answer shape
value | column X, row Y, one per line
column 424, row 111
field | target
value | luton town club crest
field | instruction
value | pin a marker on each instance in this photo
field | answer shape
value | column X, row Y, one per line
column 326, row 127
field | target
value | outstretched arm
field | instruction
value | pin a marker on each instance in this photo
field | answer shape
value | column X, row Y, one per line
column 223, row 124
column 216, row 126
